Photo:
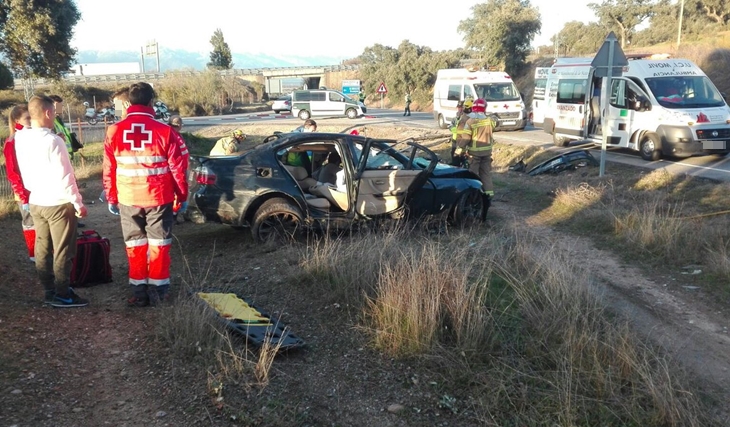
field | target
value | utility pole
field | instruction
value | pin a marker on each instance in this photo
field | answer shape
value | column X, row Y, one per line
column 679, row 29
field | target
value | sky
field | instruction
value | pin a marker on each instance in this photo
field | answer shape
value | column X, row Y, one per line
column 289, row 27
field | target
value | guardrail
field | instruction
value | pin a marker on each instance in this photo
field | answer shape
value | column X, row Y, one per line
column 158, row 76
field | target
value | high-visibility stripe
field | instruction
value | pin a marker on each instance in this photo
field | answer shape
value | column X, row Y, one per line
column 135, row 243
column 137, row 282
column 160, row 242
column 136, row 160
column 158, row 282
column 184, row 151
column 143, row 172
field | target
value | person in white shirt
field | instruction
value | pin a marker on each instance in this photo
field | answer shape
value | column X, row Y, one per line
column 55, row 201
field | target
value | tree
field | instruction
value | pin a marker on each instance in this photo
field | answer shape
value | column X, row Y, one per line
column 35, row 37
column 501, row 32
column 716, row 10
column 577, row 38
column 220, row 58
column 6, row 78
column 623, row 16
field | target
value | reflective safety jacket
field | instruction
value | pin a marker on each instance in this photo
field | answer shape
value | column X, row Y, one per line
column 476, row 136
column 143, row 162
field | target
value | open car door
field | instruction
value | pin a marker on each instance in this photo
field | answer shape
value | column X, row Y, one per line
column 389, row 173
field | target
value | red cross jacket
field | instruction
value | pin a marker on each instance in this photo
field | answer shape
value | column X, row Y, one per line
column 13, row 171
column 143, row 162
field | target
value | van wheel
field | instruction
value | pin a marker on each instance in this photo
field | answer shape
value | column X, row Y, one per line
column 442, row 122
column 351, row 113
column 304, row 114
column 559, row 141
column 650, row 147
column 277, row 220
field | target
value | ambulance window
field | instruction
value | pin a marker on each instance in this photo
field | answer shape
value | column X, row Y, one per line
column 618, row 93
column 572, row 91
column 468, row 93
column 454, row 93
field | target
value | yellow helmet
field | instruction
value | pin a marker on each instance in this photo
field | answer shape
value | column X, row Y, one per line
column 468, row 102
column 238, row 133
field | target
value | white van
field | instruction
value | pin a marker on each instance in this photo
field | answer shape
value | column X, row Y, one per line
column 537, row 114
column 495, row 87
column 324, row 102
column 659, row 107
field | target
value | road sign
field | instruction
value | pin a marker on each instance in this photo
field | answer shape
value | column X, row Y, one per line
column 382, row 88
column 603, row 59
column 351, row 87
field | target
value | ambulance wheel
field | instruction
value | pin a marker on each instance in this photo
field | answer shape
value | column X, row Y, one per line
column 277, row 220
column 650, row 147
column 304, row 114
column 442, row 122
column 559, row 141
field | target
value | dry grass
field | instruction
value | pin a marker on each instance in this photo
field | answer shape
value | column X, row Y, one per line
column 513, row 326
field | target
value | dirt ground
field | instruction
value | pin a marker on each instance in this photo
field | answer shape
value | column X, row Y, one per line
column 103, row 365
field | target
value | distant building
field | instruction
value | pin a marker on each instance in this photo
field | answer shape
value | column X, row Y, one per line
column 102, row 68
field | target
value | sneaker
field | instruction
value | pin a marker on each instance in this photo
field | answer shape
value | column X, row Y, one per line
column 69, row 300
column 49, row 297
column 138, row 302
column 32, row 259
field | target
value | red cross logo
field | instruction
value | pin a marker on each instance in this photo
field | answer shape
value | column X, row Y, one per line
column 505, row 106
column 137, row 137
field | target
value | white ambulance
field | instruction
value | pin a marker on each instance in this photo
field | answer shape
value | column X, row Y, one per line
column 495, row 87
column 537, row 114
column 659, row 107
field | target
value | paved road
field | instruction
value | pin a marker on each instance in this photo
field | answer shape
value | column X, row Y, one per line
column 711, row 167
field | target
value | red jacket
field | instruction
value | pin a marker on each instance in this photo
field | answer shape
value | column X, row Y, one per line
column 143, row 164
column 13, row 171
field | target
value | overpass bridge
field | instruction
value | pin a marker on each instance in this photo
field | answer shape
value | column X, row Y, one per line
column 269, row 74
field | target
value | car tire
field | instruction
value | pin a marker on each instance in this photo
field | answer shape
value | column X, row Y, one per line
column 442, row 122
column 277, row 111
column 649, row 147
column 351, row 113
column 277, row 220
column 469, row 209
column 304, row 114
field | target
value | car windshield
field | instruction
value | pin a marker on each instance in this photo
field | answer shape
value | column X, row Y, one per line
column 685, row 92
column 491, row 92
column 382, row 156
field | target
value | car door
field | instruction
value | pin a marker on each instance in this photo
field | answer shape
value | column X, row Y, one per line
column 621, row 110
column 387, row 177
column 335, row 104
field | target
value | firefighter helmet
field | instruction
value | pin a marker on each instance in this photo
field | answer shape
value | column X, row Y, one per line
column 468, row 102
column 238, row 134
column 480, row 106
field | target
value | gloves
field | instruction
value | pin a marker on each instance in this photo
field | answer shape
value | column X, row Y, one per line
column 458, row 151
column 25, row 207
column 183, row 207
column 114, row 209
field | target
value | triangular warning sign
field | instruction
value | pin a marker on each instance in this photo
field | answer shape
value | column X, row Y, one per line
column 382, row 88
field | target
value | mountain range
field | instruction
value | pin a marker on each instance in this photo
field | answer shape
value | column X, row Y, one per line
column 177, row 59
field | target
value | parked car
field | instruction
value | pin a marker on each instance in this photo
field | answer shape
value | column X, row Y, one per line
column 282, row 104
column 261, row 188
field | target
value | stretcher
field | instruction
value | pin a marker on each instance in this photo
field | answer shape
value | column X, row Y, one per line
column 251, row 322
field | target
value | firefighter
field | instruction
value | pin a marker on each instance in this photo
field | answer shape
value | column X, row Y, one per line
column 476, row 141
column 462, row 114
column 144, row 172
column 228, row 145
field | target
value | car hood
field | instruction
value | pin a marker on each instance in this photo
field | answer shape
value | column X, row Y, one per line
column 446, row 171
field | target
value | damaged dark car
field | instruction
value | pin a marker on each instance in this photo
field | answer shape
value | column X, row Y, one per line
column 300, row 181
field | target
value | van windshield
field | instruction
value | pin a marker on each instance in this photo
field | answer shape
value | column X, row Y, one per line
column 685, row 92
column 491, row 92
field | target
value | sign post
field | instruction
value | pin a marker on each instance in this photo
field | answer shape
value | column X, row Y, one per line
column 609, row 61
column 382, row 90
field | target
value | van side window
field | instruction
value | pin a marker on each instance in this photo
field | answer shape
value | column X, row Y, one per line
column 303, row 96
column 572, row 91
column 336, row 97
column 454, row 93
column 618, row 93
column 318, row 96
column 468, row 93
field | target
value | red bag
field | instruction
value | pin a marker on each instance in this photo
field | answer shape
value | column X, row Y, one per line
column 91, row 264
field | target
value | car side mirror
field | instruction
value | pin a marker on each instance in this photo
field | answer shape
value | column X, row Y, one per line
column 643, row 105
column 724, row 96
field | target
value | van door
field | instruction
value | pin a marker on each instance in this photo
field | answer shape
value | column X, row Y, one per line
column 336, row 104
column 624, row 105
column 569, row 110
column 319, row 104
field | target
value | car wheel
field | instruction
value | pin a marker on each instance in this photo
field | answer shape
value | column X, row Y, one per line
column 468, row 209
column 351, row 113
column 559, row 141
column 277, row 220
column 650, row 147
column 442, row 122
column 304, row 114
column 277, row 111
